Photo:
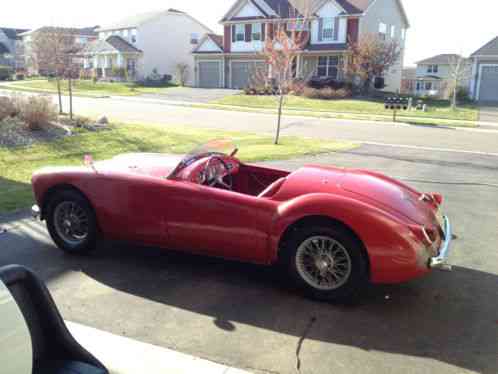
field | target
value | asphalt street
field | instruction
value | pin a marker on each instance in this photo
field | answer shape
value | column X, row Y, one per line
column 140, row 110
column 249, row 317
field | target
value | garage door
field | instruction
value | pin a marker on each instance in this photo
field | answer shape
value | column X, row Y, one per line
column 489, row 84
column 243, row 72
column 210, row 74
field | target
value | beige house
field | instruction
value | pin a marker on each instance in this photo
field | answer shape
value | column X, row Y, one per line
column 228, row 60
column 146, row 45
column 80, row 37
column 433, row 76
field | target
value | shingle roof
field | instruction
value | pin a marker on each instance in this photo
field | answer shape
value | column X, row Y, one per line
column 84, row 31
column 327, row 47
column 3, row 49
column 218, row 39
column 287, row 8
column 12, row 33
column 113, row 43
column 440, row 59
column 490, row 49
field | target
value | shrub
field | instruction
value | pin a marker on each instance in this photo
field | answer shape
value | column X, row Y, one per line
column 326, row 93
column 5, row 72
column 297, row 87
column 311, row 93
column 7, row 108
column 463, row 95
column 38, row 111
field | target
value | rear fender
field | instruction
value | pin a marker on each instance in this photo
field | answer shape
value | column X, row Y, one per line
column 391, row 246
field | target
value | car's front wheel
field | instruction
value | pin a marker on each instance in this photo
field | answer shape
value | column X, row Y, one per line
column 328, row 263
column 71, row 222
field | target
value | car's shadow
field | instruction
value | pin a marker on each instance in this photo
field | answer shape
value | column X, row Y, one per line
column 448, row 317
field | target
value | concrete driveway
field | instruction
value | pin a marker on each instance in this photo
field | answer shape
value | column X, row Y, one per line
column 489, row 114
column 191, row 95
column 249, row 317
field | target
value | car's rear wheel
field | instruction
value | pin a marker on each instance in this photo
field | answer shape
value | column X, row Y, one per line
column 71, row 222
column 328, row 263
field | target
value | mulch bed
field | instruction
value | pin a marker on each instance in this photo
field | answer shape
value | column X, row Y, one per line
column 15, row 133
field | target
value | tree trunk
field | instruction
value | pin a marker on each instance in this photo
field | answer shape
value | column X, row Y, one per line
column 59, row 94
column 280, row 104
column 70, row 83
column 454, row 98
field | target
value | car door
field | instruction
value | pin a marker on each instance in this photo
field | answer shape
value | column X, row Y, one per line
column 218, row 222
column 131, row 208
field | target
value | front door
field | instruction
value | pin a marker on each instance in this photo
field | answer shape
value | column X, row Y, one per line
column 218, row 222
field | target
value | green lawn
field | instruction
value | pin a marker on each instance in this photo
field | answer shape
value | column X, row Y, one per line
column 17, row 165
column 437, row 109
column 87, row 87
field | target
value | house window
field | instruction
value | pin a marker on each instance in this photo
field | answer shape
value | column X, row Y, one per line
column 393, row 32
column 382, row 30
column 256, row 31
column 432, row 68
column 134, row 35
column 194, row 38
column 131, row 65
column 419, row 86
column 328, row 66
column 240, row 33
column 328, row 29
column 428, row 86
column 297, row 25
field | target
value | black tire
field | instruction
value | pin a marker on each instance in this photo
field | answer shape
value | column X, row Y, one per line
column 357, row 280
column 87, row 244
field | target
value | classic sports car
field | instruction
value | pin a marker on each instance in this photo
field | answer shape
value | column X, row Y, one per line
column 334, row 229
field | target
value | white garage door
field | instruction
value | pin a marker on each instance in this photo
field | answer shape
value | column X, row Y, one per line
column 243, row 72
column 210, row 74
column 489, row 84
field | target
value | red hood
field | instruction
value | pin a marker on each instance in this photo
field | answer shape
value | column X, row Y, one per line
column 151, row 164
column 373, row 188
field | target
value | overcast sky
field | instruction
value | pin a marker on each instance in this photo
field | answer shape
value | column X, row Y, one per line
column 437, row 26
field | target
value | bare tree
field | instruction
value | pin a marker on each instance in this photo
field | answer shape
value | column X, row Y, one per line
column 182, row 73
column 371, row 57
column 283, row 44
column 50, row 49
column 460, row 72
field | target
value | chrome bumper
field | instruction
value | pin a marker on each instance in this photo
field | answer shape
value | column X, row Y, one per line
column 35, row 211
column 439, row 262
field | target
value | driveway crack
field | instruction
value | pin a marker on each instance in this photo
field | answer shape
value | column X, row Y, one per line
column 301, row 341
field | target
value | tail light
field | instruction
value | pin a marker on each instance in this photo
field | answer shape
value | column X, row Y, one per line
column 438, row 198
column 425, row 235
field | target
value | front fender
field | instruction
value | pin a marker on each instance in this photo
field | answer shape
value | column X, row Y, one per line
column 395, row 253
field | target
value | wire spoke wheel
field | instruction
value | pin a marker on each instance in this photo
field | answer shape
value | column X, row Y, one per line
column 323, row 263
column 71, row 222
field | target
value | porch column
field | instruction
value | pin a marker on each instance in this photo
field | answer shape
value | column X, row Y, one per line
column 105, row 67
column 299, row 66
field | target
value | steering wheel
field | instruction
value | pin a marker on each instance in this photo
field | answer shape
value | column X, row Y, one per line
column 214, row 176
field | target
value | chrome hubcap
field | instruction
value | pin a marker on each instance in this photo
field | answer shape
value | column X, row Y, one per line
column 71, row 222
column 323, row 263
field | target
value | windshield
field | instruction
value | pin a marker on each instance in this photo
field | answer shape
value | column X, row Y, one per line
column 218, row 146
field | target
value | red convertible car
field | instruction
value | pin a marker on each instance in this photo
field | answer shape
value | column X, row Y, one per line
column 333, row 229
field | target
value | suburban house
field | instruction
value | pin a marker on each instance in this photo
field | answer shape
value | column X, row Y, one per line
column 229, row 60
column 11, row 47
column 77, row 38
column 432, row 76
column 484, row 83
column 145, row 45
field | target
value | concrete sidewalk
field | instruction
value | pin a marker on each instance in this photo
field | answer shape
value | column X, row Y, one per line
column 126, row 356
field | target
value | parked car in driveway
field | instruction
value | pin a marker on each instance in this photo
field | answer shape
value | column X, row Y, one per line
column 333, row 229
